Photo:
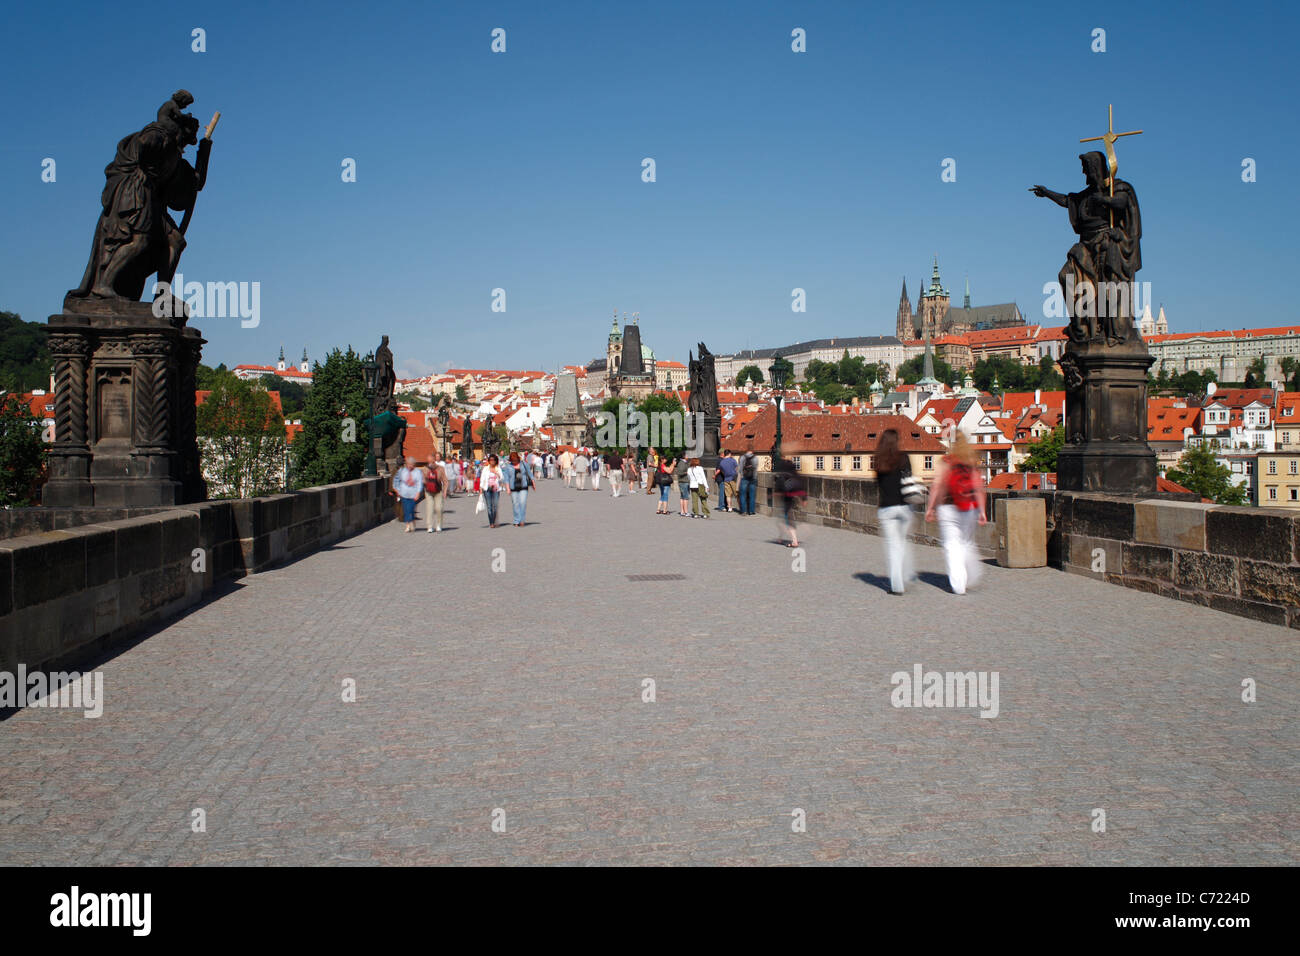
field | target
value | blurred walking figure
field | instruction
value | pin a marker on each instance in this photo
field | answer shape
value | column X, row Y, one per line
column 518, row 478
column 566, row 467
column 699, row 485
column 596, row 465
column 958, row 496
column 581, row 468
column 791, row 489
column 893, row 471
column 649, row 473
column 435, row 493
column 491, row 482
column 409, row 485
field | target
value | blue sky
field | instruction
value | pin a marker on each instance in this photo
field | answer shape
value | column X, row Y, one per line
column 775, row 170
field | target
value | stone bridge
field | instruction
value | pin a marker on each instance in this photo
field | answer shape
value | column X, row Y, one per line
column 501, row 677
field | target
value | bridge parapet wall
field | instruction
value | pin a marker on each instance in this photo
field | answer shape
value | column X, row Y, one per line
column 1244, row 561
column 68, row 594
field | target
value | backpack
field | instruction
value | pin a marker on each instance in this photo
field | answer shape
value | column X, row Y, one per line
column 432, row 485
column 793, row 486
column 748, row 469
column 961, row 486
column 521, row 480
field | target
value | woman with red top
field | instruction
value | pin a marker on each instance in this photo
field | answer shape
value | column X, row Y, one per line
column 958, row 495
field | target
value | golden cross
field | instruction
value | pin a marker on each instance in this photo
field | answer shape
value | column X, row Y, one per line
column 1109, row 138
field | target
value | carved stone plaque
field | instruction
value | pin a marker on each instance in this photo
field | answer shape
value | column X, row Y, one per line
column 115, row 406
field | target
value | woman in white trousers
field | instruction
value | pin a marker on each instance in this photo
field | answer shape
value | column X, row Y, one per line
column 957, row 495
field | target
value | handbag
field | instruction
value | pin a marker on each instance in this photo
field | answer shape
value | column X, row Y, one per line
column 481, row 505
column 913, row 489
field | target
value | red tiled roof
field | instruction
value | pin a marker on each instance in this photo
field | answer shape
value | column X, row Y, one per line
column 819, row 431
column 1226, row 333
column 1008, row 336
column 41, row 406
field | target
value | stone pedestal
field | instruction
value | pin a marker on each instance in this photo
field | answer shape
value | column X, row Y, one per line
column 124, row 433
column 1106, row 419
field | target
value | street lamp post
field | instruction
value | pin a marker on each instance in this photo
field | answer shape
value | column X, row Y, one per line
column 371, row 368
column 629, row 408
column 777, row 373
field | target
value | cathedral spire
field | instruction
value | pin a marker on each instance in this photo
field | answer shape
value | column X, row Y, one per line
column 965, row 302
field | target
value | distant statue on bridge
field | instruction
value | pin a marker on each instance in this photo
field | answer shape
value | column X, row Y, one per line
column 385, row 379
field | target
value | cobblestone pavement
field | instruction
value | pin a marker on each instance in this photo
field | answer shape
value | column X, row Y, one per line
column 522, row 690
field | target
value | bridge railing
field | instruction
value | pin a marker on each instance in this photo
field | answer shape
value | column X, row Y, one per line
column 1244, row 561
column 68, row 594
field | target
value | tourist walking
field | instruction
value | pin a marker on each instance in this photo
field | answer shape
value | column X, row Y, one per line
column 566, row 467
column 519, row 479
column 748, row 482
column 663, row 483
column 893, row 474
column 791, row 488
column 596, row 465
column 728, row 499
column 650, row 473
column 409, row 485
column 581, row 468
column 957, row 495
column 699, row 485
column 680, row 468
column 614, row 467
column 491, row 482
column 435, row 491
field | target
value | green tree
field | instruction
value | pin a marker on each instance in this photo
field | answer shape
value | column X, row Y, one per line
column 204, row 376
column 293, row 395
column 1290, row 374
column 1200, row 472
column 22, row 454
column 336, row 410
column 461, row 394
column 911, row 370
column 669, row 409
column 748, row 372
column 1043, row 453
column 417, row 402
column 25, row 362
column 241, row 440
column 1255, row 373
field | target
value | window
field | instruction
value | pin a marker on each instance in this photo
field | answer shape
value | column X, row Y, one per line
column 837, row 463
column 857, row 462
column 1272, row 466
column 795, row 461
column 871, row 462
column 819, row 463
column 929, row 462
column 1291, row 466
column 1272, row 494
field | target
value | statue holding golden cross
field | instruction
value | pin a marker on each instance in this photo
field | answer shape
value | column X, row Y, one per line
column 1109, row 138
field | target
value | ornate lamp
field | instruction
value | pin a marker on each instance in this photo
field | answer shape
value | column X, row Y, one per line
column 777, row 373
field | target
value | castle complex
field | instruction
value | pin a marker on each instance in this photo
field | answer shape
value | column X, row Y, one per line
column 935, row 317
